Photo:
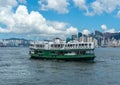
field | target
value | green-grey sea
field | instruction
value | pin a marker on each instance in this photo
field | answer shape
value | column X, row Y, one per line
column 16, row 68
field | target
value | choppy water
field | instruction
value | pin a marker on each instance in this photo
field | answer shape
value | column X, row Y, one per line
column 17, row 69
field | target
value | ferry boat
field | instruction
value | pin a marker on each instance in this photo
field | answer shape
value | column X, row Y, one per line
column 62, row 50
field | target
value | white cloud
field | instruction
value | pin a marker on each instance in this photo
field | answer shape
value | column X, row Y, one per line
column 4, row 30
column 8, row 3
column 57, row 5
column 86, row 32
column 106, row 29
column 81, row 4
column 98, row 6
column 58, row 25
column 6, row 14
column 71, row 30
column 32, row 23
column 108, row 6
column 111, row 30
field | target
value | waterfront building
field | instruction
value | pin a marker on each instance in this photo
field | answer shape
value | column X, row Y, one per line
column 74, row 37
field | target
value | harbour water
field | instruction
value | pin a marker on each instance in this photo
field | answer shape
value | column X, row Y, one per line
column 16, row 68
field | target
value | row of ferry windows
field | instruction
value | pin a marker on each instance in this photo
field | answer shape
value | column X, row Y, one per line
column 61, row 45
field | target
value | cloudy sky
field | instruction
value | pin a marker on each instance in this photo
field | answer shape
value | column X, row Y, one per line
column 52, row 18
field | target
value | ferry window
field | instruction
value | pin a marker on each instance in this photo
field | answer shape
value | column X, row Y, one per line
column 89, row 44
column 37, row 45
column 65, row 52
column 35, row 51
column 79, row 44
column 40, row 51
column 53, row 52
column 58, row 45
column 41, row 46
column 55, row 45
column 52, row 45
column 70, row 45
column 82, row 52
column 82, row 44
column 76, row 44
column 85, row 44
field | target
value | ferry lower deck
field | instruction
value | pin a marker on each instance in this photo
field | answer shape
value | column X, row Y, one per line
column 70, row 54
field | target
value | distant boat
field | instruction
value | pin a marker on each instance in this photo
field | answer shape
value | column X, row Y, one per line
column 62, row 50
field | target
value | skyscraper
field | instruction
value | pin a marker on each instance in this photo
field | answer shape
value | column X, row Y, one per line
column 79, row 34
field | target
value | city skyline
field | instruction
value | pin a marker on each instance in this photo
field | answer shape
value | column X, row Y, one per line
column 48, row 18
column 98, row 38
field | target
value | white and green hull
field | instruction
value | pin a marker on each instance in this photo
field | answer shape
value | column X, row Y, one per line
column 71, row 54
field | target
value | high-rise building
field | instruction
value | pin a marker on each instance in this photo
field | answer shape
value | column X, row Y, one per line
column 83, row 38
column 74, row 37
column 79, row 34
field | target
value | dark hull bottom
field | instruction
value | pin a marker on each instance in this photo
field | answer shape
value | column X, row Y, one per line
column 66, row 59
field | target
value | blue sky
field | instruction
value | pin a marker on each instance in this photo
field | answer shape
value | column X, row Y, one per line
column 52, row 18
